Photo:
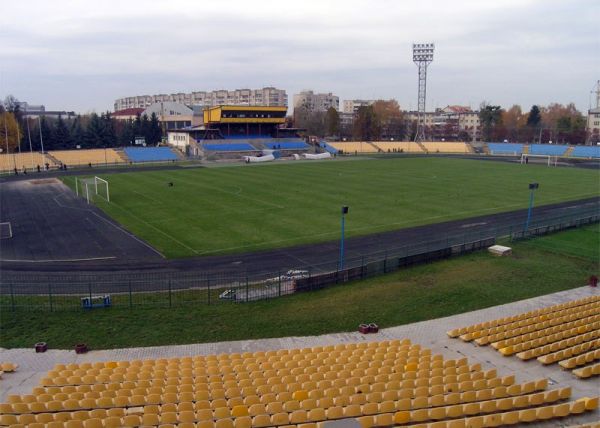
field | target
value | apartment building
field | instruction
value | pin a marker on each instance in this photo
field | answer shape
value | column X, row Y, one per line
column 316, row 102
column 267, row 96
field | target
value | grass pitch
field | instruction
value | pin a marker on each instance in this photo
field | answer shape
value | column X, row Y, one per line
column 474, row 281
column 257, row 207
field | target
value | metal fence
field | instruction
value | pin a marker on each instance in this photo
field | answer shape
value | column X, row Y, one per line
column 53, row 292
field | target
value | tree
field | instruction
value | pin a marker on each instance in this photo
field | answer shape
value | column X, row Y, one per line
column 312, row 121
column 62, row 135
column 10, row 132
column 94, row 133
column 490, row 118
column 534, row 118
column 390, row 119
column 109, row 136
column 154, row 135
column 366, row 125
column 332, row 122
column 77, row 132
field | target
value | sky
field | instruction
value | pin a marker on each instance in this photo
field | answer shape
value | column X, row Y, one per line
column 82, row 55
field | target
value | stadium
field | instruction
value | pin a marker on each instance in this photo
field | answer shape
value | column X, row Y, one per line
column 352, row 289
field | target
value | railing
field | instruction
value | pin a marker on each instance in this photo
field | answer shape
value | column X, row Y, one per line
column 53, row 292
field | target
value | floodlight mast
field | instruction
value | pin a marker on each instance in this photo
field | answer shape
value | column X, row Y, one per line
column 422, row 57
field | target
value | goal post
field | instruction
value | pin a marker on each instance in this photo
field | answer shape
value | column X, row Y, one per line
column 88, row 187
column 550, row 159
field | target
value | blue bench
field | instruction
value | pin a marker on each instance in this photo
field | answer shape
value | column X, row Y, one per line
column 150, row 154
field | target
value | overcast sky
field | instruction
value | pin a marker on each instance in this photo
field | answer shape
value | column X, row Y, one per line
column 82, row 55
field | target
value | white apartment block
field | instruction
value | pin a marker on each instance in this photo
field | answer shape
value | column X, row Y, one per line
column 316, row 102
column 268, row 96
column 352, row 106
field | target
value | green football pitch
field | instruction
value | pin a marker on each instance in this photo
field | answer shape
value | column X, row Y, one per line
column 246, row 208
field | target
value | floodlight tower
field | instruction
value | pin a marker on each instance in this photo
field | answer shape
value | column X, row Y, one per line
column 422, row 57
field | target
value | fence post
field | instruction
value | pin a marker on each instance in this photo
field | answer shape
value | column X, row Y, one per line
column 247, row 287
column 208, row 286
column 362, row 267
column 385, row 263
column 90, row 291
column 279, row 283
column 12, row 297
column 130, row 297
column 170, row 293
column 50, row 295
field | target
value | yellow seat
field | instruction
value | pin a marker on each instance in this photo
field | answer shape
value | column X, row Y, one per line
column 150, row 419
column 384, row 419
column 316, row 414
column 242, row 422
column 261, row 421
column 93, row 423
column 335, row 412
column 224, row 423
column 510, row 418
column 437, row 413
column 527, row 415
column 224, row 412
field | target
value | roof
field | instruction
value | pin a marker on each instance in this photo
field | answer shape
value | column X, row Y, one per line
column 248, row 108
column 129, row 112
column 458, row 109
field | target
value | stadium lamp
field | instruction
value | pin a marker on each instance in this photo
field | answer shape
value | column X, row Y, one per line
column 344, row 212
column 532, row 187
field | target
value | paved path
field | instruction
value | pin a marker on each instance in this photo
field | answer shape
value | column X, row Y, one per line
column 430, row 334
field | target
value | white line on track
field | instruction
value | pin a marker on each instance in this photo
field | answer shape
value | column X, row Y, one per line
column 60, row 260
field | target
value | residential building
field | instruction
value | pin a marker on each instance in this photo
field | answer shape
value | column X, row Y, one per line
column 173, row 115
column 450, row 123
column 316, row 102
column 593, row 126
column 127, row 114
column 267, row 96
column 352, row 106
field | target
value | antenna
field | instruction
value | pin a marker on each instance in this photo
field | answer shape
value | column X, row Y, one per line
column 422, row 57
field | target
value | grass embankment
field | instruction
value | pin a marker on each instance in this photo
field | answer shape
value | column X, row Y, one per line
column 541, row 266
column 258, row 207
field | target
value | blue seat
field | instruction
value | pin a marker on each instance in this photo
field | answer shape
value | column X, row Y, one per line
column 287, row 145
column 547, row 149
column 586, row 152
column 229, row 147
column 150, row 154
column 505, row 148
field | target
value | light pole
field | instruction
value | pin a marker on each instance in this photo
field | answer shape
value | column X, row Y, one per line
column 344, row 212
column 532, row 187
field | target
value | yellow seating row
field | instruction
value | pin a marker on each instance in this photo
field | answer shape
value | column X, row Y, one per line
column 497, row 388
column 587, row 371
column 30, row 161
column 484, row 336
column 530, row 314
column 524, row 334
column 8, row 367
column 397, row 146
column 351, row 147
column 557, row 346
column 189, row 412
column 86, row 156
column 368, row 415
column 581, row 359
column 447, row 147
column 572, row 329
column 571, row 351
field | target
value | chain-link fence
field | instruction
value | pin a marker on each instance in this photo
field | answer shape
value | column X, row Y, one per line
column 53, row 292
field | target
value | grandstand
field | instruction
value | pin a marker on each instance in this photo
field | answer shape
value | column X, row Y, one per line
column 380, row 384
column 355, row 147
column 548, row 149
column 586, row 152
column 505, row 148
column 8, row 162
column 447, row 147
column 399, row 146
column 86, row 157
column 287, row 145
column 150, row 154
column 229, row 147
column 568, row 333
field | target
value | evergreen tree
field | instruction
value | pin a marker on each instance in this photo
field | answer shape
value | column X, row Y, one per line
column 126, row 133
column 62, row 135
column 155, row 130
column 77, row 132
column 145, row 128
column 94, row 133
column 534, row 117
column 109, row 136
column 47, row 135
column 491, row 119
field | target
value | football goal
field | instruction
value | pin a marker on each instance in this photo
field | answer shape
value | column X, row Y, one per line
column 549, row 159
column 88, row 187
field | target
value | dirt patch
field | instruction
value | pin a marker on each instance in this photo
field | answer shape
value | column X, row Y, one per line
column 45, row 181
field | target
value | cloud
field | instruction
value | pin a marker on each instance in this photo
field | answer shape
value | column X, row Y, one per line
column 513, row 51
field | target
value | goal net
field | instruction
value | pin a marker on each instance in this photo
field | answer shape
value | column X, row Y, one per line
column 89, row 187
column 547, row 159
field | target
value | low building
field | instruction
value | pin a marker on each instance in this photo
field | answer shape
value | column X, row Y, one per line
column 450, row 123
column 352, row 106
column 173, row 115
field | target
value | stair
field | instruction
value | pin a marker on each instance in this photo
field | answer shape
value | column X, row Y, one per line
column 122, row 155
column 525, row 149
column 567, row 154
column 379, row 149
column 422, row 147
column 470, row 148
column 52, row 160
